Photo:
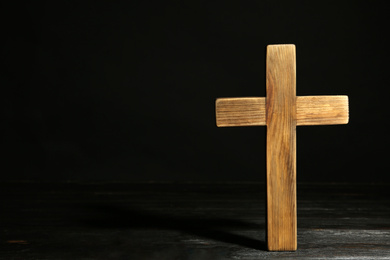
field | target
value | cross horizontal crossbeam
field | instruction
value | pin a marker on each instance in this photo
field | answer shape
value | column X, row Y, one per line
column 310, row 110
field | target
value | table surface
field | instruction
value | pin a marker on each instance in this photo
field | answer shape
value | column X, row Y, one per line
column 187, row 221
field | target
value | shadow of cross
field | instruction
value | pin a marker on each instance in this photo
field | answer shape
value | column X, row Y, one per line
column 281, row 111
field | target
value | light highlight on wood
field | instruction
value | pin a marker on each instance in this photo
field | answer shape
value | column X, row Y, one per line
column 322, row 110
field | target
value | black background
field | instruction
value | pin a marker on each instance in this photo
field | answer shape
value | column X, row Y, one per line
column 125, row 91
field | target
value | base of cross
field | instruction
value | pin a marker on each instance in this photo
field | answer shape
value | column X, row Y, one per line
column 281, row 111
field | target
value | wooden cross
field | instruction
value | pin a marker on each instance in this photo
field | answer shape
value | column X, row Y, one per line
column 281, row 111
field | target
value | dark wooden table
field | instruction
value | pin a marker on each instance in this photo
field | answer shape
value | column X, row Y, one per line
column 187, row 221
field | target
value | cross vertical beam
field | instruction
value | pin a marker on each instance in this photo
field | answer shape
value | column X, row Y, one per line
column 281, row 148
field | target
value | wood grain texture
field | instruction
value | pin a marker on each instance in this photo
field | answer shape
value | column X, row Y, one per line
column 322, row 110
column 248, row 111
column 281, row 148
column 311, row 110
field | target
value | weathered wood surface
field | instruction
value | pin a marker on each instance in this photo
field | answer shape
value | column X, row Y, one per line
column 249, row 111
column 322, row 110
column 310, row 110
column 281, row 148
column 187, row 221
